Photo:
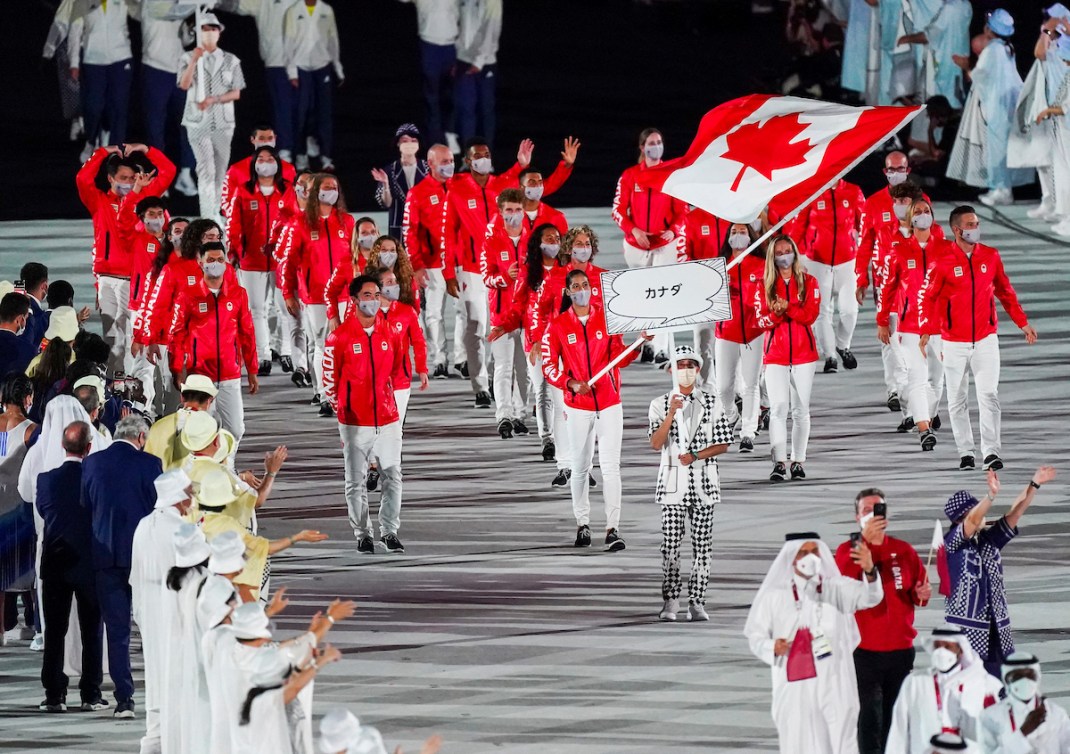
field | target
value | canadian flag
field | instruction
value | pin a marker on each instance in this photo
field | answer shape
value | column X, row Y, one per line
column 780, row 152
column 940, row 550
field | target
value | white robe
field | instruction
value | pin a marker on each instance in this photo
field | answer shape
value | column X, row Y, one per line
column 224, row 684
column 916, row 717
column 818, row 714
column 268, row 731
column 188, row 685
column 156, row 612
column 999, row 736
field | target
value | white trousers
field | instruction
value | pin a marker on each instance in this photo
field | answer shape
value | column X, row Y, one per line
column 607, row 428
column 510, row 377
column 113, row 296
column 261, row 289
column 739, row 371
column 359, row 445
column 636, row 257
column 143, row 370
column 476, row 312
column 292, row 340
column 228, row 408
column 981, row 359
column 166, row 399
column 704, row 336
column 315, row 325
column 211, row 149
column 925, row 375
column 895, row 370
column 789, row 388
column 837, row 285
column 434, row 314
column 544, row 397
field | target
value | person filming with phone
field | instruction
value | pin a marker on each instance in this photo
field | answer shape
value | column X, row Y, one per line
column 885, row 655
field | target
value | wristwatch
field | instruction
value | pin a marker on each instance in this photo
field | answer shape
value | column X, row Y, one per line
column 1034, row 485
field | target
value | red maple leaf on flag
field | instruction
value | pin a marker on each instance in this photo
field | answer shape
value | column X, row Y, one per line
column 765, row 147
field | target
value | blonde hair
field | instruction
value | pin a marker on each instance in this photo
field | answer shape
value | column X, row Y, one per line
column 570, row 238
column 402, row 268
column 913, row 210
column 772, row 272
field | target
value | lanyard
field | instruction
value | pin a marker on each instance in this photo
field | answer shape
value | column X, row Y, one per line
column 939, row 701
column 798, row 603
column 1010, row 713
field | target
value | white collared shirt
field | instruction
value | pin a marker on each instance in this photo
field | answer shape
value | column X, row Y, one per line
column 311, row 39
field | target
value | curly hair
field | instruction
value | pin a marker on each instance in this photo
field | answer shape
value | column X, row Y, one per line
column 17, row 388
column 193, row 237
column 402, row 268
column 534, row 271
column 573, row 234
column 312, row 208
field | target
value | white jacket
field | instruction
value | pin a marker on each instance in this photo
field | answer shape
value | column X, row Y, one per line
column 98, row 36
column 917, row 717
column 481, row 26
column 437, row 21
column 311, row 40
column 269, row 15
column 999, row 735
column 161, row 43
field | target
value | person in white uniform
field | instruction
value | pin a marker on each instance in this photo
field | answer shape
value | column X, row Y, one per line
column 314, row 66
column 950, row 694
column 212, row 80
column 155, row 607
column 801, row 624
column 1024, row 722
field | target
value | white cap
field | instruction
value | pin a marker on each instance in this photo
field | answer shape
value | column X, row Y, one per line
column 62, row 324
column 200, row 383
column 199, row 430
column 339, row 728
column 1055, row 11
column 249, row 621
column 191, row 548
column 228, row 553
column 687, row 352
column 171, row 487
column 209, row 19
column 213, row 602
column 91, row 380
column 369, row 741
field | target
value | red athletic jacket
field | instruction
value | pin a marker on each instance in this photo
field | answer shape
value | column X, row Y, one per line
column 545, row 214
column 337, row 289
column 704, row 234
column 405, row 323
column 825, row 230
column 878, row 215
column 213, row 334
column 497, row 255
column 110, row 254
column 251, row 225
column 646, row 208
column 358, row 373
column 743, row 279
column 422, row 223
column 789, row 338
column 158, row 310
column 143, row 247
column 904, row 273
column 525, row 301
column 241, row 171
column 311, row 254
column 552, row 294
column 572, row 350
column 960, row 293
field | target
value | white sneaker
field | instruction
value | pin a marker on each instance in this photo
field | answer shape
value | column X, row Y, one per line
column 453, row 142
column 327, row 165
column 76, row 128
column 997, row 197
column 301, row 163
column 185, row 185
column 286, row 155
column 670, row 609
column 312, row 147
column 697, row 612
column 38, row 643
column 87, row 152
column 1061, row 228
column 1041, row 211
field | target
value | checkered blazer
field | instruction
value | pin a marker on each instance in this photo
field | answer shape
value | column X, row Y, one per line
column 698, row 483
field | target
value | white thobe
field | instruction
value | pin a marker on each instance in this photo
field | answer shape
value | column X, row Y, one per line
column 156, row 612
column 189, row 689
column 917, row 716
column 1001, row 729
column 268, row 730
column 817, row 714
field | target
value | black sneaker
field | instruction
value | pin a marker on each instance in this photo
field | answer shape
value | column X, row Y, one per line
column 372, row 481
column 562, row 478
column 287, row 364
column 549, row 451
column 264, row 369
column 441, row 372
column 275, row 355
column 739, row 406
column 505, row 429
column 966, row 463
column 519, row 427
column 779, row 473
column 647, row 355
column 797, row 471
column 763, row 418
column 849, row 360
column 366, row 546
column 934, row 423
column 95, row 705
column 483, row 399
column 993, row 462
column 928, row 440
column 54, row 705
column 746, row 445
column 315, row 400
column 906, row 425
column 298, row 377
column 831, row 365
column 325, row 410
column 461, row 369
column 614, row 543
column 591, row 481
column 893, row 402
column 124, row 710
column 583, row 536
column 660, row 357
column 392, row 543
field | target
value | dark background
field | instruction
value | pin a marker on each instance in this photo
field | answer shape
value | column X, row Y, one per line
column 600, row 70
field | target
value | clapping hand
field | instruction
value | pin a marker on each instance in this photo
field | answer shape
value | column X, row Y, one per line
column 278, row 602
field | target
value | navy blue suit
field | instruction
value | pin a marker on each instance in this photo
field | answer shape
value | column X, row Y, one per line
column 36, row 325
column 118, row 491
column 16, row 353
column 66, row 573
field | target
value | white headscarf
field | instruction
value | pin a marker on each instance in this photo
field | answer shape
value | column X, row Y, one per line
column 48, row 453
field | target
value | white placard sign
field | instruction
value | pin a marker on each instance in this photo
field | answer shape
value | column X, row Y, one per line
column 668, row 297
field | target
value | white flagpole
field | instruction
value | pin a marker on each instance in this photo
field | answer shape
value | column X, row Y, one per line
column 619, row 358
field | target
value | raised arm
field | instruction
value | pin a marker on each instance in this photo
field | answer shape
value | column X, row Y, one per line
column 1025, row 498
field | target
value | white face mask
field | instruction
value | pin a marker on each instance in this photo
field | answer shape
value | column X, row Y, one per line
column 808, row 565
column 368, row 307
column 738, row 241
column 391, row 293
column 409, row 148
column 582, row 254
column 1023, row 689
column 687, row 376
column 971, row 235
column 894, row 179
column 154, row 225
column 864, row 520
column 513, row 219
column 533, row 193
column 215, row 269
column 210, row 38
column 446, row 171
column 122, row 189
column 581, row 297
column 550, row 250
column 258, row 144
column 784, row 261
column 482, row 166
column 923, row 222
column 900, row 210
column 654, row 151
column 943, row 660
column 300, row 191
column 365, row 240
column 387, row 259
column 756, row 224
column 267, row 169
column 328, row 196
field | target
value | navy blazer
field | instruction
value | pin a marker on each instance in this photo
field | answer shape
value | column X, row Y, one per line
column 118, row 490
column 399, row 190
column 67, row 545
column 36, row 325
column 16, row 353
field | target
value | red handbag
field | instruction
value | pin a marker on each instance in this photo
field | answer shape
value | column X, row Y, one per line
column 801, row 657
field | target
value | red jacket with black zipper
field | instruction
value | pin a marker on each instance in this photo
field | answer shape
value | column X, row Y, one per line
column 358, row 373
column 212, row 334
column 789, row 337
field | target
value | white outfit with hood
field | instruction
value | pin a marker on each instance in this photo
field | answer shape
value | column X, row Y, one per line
column 1001, row 724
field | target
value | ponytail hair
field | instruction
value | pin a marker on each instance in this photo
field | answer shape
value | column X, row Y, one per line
column 178, row 573
column 247, row 706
